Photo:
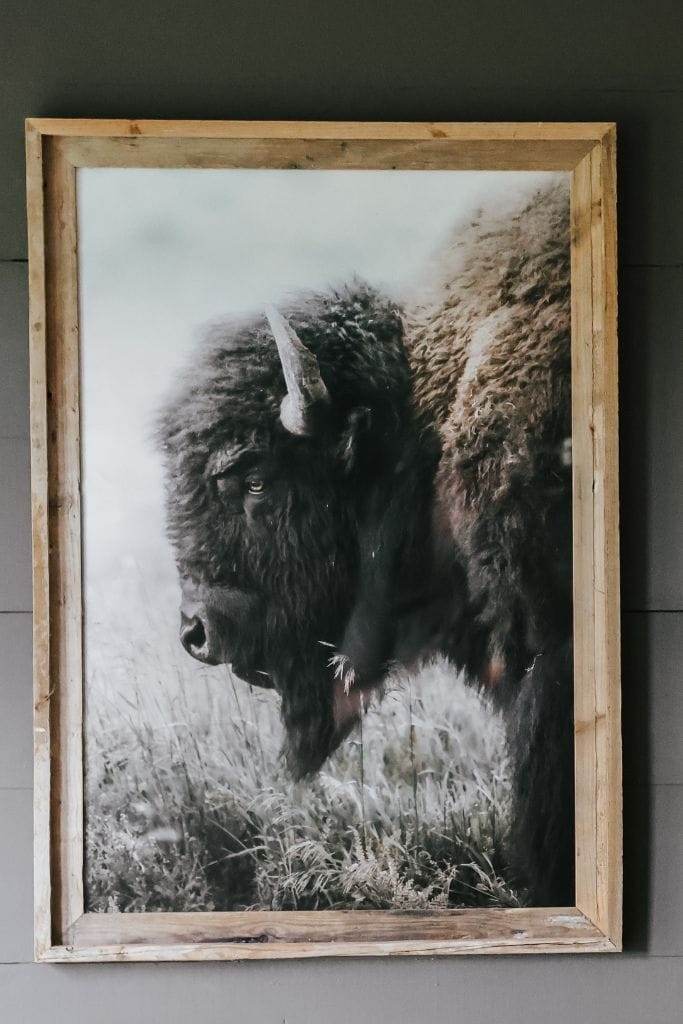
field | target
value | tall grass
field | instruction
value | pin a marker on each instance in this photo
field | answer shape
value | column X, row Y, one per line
column 189, row 806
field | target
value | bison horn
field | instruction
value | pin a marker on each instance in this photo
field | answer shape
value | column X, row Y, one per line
column 305, row 386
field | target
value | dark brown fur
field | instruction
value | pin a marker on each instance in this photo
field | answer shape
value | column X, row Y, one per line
column 490, row 354
column 428, row 511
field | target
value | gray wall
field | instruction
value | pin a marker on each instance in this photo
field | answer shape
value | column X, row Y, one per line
column 472, row 60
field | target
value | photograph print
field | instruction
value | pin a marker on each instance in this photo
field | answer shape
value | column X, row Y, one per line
column 327, row 539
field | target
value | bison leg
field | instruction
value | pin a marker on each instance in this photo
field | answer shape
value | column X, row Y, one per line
column 540, row 734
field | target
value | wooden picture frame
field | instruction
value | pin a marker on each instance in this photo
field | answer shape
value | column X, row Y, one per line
column 63, row 932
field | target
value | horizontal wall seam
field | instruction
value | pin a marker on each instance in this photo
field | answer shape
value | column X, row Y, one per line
column 652, row 611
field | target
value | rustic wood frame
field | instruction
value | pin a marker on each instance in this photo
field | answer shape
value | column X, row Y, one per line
column 55, row 148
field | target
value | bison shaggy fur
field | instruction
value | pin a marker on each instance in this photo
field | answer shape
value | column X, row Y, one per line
column 428, row 509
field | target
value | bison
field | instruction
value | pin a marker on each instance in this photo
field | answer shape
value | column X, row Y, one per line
column 353, row 485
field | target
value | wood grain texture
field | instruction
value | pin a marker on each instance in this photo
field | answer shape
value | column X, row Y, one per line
column 593, row 943
column 264, row 935
column 326, row 926
column 54, row 149
column 596, row 541
column 56, row 540
column 40, row 543
column 485, row 131
column 329, row 154
column 582, row 484
column 606, row 539
column 64, row 504
column 320, row 144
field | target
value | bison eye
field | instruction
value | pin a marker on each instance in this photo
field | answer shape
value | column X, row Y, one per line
column 255, row 485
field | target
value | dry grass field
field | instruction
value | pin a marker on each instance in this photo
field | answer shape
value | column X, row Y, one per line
column 189, row 806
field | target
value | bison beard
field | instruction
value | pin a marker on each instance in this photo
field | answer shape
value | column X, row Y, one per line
column 351, row 485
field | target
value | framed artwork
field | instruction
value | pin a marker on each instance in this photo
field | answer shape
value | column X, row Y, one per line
column 325, row 539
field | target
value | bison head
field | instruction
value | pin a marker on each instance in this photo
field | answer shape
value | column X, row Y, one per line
column 299, row 485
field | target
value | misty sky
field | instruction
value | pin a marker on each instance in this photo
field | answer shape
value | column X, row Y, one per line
column 162, row 252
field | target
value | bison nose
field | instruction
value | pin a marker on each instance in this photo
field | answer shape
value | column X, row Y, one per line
column 194, row 638
column 192, row 633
